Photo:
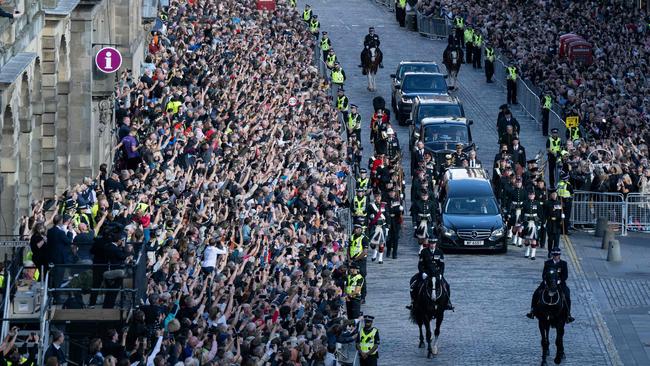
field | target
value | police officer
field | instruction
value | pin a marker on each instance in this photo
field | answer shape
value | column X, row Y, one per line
column 353, row 123
column 331, row 59
column 554, row 216
column 468, row 37
column 395, row 213
column 292, row 3
column 431, row 263
column 359, row 203
column 314, row 26
column 358, row 252
column 363, row 182
column 354, row 283
column 459, row 29
column 400, row 12
column 573, row 133
column 565, row 192
column 560, row 266
column 477, row 45
column 325, row 44
column 338, row 75
column 342, row 102
column 371, row 39
column 368, row 343
column 546, row 103
column 306, row 14
column 553, row 149
column 490, row 57
column 511, row 83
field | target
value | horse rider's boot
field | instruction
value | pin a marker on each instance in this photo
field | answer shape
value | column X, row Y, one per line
column 527, row 252
column 381, row 258
column 532, row 253
column 530, row 314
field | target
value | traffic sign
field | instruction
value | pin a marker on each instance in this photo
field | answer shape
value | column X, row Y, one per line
column 293, row 101
column 108, row 60
column 572, row 121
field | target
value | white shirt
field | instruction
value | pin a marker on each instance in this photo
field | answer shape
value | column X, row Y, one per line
column 210, row 256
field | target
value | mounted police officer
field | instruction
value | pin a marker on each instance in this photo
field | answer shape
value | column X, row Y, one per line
column 431, row 264
column 371, row 39
column 368, row 343
column 560, row 266
column 354, row 284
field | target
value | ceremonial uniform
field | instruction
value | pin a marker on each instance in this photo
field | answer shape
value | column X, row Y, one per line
column 532, row 217
column 377, row 229
column 554, row 216
column 516, row 199
column 396, row 211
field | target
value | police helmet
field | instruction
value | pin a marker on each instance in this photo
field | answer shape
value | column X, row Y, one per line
column 363, row 171
column 354, row 266
column 556, row 251
column 564, row 176
column 555, row 130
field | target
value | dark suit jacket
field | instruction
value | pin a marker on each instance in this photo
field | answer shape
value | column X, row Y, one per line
column 519, row 155
column 114, row 254
column 53, row 352
column 58, row 245
column 560, row 266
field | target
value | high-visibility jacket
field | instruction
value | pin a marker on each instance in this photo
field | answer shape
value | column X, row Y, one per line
column 555, row 145
column 356, row 246
column 367, row 340
column 337, row 77
column 331, row 59
column 548, row 102
column 512, row 73
column 563, row 189
column 489, row 54
column 314, row 25
column 574, row 133
column 342, row 103
column 292, row 3
column 363, row 183
column 469, row 35
column 173, row 105
column 401, row 4
column 325, row 44
column 353, row 282
column 306, row 15
column 354, row 122
column 459, row 23
column 360, row 206
column 478, row 40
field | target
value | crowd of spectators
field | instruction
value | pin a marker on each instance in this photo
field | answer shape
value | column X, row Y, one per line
column 236, row 192
column 610, row 96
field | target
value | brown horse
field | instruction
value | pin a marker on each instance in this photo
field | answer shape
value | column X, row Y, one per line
column 371, row 58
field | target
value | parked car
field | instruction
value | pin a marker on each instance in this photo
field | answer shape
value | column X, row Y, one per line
column 470, row 217
column 415, row 84
column 433, row 106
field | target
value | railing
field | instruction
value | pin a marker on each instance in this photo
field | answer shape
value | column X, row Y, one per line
column 390, row 4
column 433, row 27
column 637, row 209
column 589, row 206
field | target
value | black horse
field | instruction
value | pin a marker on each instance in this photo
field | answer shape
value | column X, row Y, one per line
column 551, row 311
column 429, row 305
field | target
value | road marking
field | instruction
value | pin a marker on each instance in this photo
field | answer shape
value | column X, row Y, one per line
column 603, row 331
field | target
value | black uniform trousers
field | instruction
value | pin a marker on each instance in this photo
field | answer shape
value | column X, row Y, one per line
column 356, row 133
column 369, row 361
column 469, row 52
column 400, row 15
column 552, row 165
column 459, row 37
column 489, row 70
column 393, row 238
column 325, row 54
column 545, row 114
column 353, row 308
column 476, row 59
column 541, row 241
column 566, row 208
column 363, row 270
column 512, row 91
column 553, row 237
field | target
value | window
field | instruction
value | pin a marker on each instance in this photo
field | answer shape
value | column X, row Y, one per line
column 439, row 110
column 425, row 84
column 445, row 133
column 472, row 206
column 417, row 68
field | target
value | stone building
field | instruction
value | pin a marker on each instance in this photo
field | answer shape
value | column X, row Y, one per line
column 55, row 106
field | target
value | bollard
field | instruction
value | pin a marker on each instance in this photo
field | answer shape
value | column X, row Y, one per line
column 614, row 252
column 608, row 237
column 601, row 226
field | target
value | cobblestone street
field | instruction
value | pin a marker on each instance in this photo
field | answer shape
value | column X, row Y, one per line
column 491, row 293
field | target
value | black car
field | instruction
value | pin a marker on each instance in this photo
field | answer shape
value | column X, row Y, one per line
column 409, row 66
column 433, row 106
column 470, row 217
column 416, row 84
column 441, row 135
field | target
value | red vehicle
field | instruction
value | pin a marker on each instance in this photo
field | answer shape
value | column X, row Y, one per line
column 564, row 39
column 265, row 4
column 581, row 51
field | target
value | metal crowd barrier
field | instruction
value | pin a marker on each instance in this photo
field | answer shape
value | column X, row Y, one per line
column 638, row 212
column 589, row 206
column 390, row 4
column 432, row 27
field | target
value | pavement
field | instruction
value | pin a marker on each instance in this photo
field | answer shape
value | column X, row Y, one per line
column 491, row 293
column 621, row 290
